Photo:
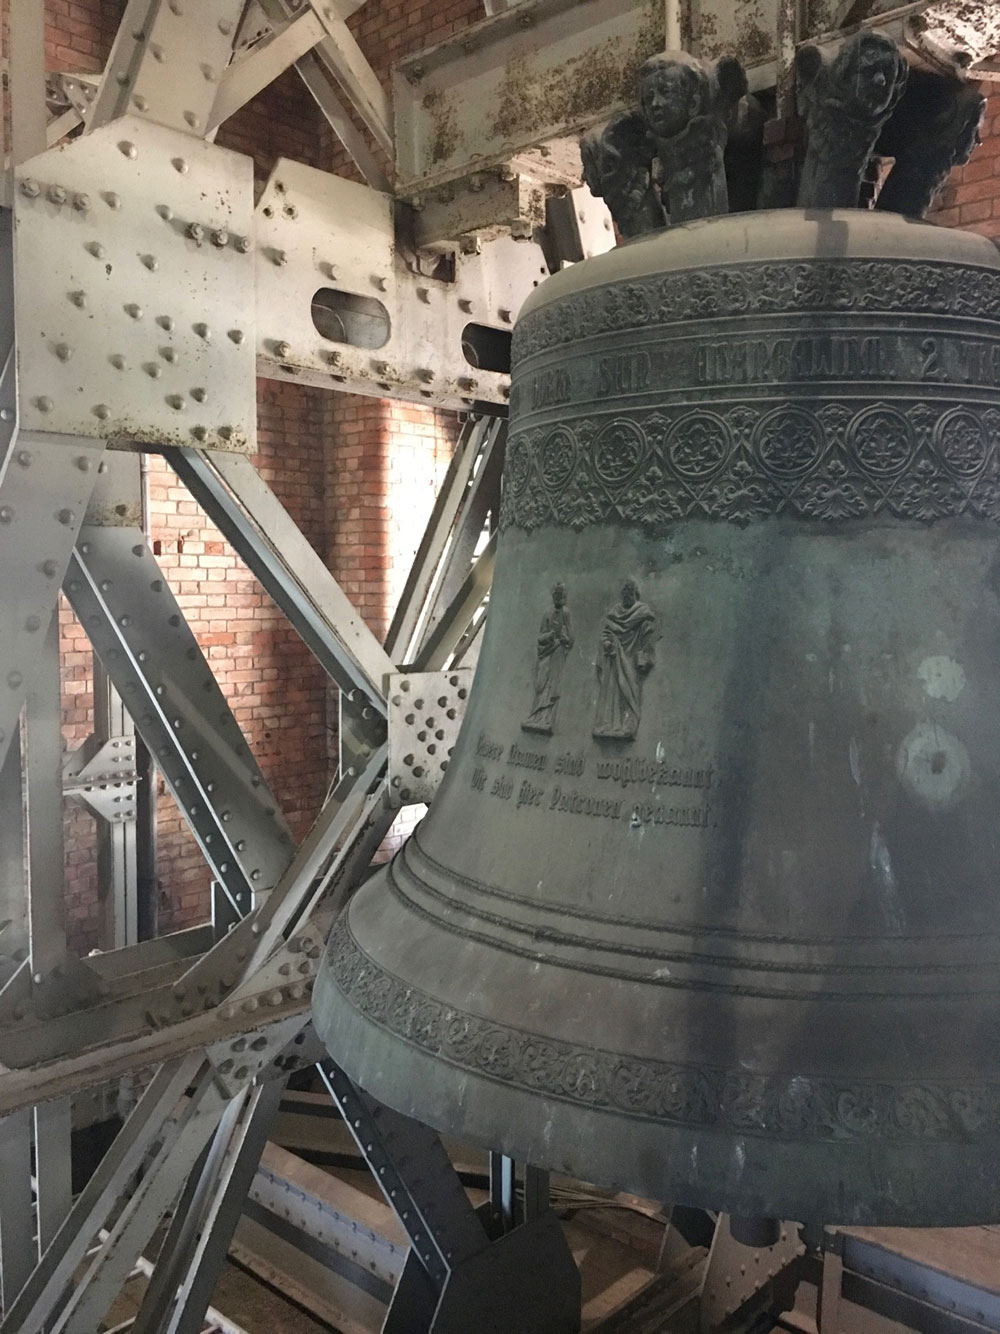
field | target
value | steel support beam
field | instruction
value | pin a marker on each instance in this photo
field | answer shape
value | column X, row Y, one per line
column 239, row 501
column 26, row 79
column 166, row 62
column 153, row 659
column 263, row 63
column 40, row 1295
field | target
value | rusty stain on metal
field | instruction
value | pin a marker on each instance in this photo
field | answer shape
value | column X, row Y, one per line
column 447, row 137
column 603, row 78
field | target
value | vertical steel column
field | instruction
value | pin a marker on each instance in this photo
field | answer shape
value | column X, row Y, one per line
column 43, row 766
column 53, row 1168
column 26, row 80
column 117, row 881
column 13, row 879
column 17, row 1254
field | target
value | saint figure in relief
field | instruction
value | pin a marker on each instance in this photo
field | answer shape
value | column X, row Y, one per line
column 555, row 639
column 625, row 659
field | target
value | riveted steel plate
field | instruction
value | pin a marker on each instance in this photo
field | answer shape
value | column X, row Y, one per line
column 339, row 305
column 134, row 289
column 425, row 712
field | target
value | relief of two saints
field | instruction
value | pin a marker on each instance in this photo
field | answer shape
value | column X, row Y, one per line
column 625, row 657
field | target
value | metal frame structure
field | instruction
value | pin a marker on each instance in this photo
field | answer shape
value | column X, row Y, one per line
column 141, row 290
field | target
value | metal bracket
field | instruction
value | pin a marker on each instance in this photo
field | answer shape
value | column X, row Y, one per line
column 737, row 1275
column 104, row 777
column 425, row 713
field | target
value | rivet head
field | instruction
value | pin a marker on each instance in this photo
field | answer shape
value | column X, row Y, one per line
column 140, row 103
column 199, row 432
column 198, row 395
column 157, row 52
column 66, row 517
column 32, row 624
column 203, row 331
column 225, row 27
column 112, row 200
column 168, row 354
column 57, row 194
column 96, row 249
column 14, row 679
column 153, row 371
column 6, row 514
column 118, row 361
column 30, row 189
column 81, row 203
column 24, row 458
column 129, row 150
column 283, row 349
column 78, row 299
column 193, row 120
column 176, row 401
column 134, row 309
column 63, row 351
column 150, row 262
column 236, row 335
column 6, row 414
column 179, row 165
column 43, row 404
column 165, row 322
column 102, row 411
column 50, row 569
column 279, row 257
column 83, row 463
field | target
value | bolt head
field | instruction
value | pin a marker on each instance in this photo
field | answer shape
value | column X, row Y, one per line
column 243, row 244
column 220, row 237
column 30, row 188
column 81, row 203
column 57, row 194
column 283, row 349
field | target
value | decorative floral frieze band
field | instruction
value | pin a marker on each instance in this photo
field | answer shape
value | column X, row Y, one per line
column 921, row 460
column 860, row 286
column 790, row 1106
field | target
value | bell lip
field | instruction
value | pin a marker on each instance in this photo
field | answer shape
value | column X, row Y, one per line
column 778, row 234
column 862, row 1181
column 829, row 1185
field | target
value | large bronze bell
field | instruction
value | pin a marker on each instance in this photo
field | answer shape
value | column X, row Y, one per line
column 708, row 906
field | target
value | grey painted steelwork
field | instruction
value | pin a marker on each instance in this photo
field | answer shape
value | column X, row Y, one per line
column 144, row 326
column 149, row 652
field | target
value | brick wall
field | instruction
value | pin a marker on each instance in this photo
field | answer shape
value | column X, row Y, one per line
column 971, row 199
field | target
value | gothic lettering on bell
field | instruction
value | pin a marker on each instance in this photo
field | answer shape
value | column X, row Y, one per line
column 487, row 749
column 555, row 639
column 549, row 388
column 762, row 361
column 653, row 813
column 980, row 363
column 626, row 655
column 502, row 787
column 478, row 779
column 624, row 373
column 526, row 759
column 634, row 770
column 580, row 803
